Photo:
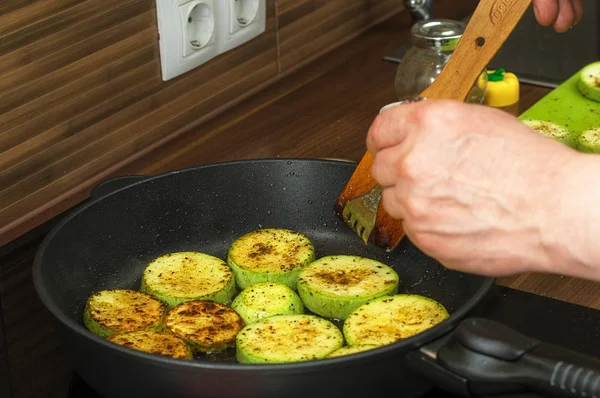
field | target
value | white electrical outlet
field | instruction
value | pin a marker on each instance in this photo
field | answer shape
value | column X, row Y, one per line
column 238, row 21
column 187, row 34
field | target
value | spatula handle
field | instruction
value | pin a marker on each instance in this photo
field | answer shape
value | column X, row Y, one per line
column 490, row 25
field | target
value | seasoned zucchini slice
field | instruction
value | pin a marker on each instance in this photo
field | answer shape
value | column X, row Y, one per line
column 552, row 130
column 334, row 286
column 266, row 299
column 269, row 255
column 207, row 326
column 589, row 81
column 386, row 320
column 160, row 343
column 589, row 140
column 112, row 311
column 186, row 276
column 351, row 349
column 287, row 338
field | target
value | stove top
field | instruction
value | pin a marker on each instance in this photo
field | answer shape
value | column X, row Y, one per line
column 552, row 321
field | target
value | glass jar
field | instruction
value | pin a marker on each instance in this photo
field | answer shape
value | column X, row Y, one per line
column 433, row 41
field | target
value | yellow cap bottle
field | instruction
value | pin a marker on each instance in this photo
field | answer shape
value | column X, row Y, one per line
column 502, row 88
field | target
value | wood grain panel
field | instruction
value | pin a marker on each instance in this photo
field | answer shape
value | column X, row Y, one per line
column 36, row 105
column 76, row 52
column 25, row 54
column 306, row 34
column 97, row 100
column 81, row 92
column 32, row 13
column 210, row 76
column 40, row 150
column 56, row 79
column 84, row 166
column 51, row 23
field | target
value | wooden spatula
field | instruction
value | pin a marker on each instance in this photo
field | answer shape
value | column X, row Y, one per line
column 490, row 25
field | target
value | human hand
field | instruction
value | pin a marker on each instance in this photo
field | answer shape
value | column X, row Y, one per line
column 472, row 184
column 563, row 14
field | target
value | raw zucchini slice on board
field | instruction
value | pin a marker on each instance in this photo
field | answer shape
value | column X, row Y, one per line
column 552, row 130
column 389, row 319
column 160, row 343
column 207, row 326
column 334, row 286
column 186, row 276
column 265, row 299
column 287, row 338
column 351, row 349
column 589, row 140
column 269, row 255
column 112, row 311
column 589, row 81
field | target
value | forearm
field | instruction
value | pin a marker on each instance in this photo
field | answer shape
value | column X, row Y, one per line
column 571, row 232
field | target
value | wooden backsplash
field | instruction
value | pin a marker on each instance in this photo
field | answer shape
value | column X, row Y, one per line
column 81, row 93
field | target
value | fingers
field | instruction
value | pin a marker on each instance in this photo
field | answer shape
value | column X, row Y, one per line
column 578, row 5
column 566, row 16
column 385, row 166
column 387, row 129
column 562, row 14
column 545, row 11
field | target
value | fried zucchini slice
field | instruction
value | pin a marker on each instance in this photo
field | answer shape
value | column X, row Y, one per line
column 589, row 81
column 552, row 130
column 160, row 343
column 207, row 326
column 188, row 276
column 351, row 349
column 334, row 286
column 269, row 255
column 112, row 311
column 386, row 320
column 589, row 140
column 266, row 299
column 287, row 338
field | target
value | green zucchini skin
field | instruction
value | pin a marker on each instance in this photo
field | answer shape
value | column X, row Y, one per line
column 388, row 319
column 265, row 299
column 179, row 277
column 207, row 326
column 334, row 286
column 114, row 311
column 287, row 338
column 269, row 255
column 589, row 141
column 159, row 343
column 589, row 81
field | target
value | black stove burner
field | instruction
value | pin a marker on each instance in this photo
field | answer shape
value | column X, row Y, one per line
column 549, row 320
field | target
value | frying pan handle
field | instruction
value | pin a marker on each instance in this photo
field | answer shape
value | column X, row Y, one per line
column 114, row 184
column 494, row 358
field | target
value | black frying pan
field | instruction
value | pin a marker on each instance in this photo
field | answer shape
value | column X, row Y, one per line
column 107, row 242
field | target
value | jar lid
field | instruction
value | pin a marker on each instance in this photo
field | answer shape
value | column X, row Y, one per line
column 437, row 34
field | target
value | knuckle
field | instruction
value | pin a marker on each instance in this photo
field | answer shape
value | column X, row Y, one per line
column 416, row 208
column 409, row 168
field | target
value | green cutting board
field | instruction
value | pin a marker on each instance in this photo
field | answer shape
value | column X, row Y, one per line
column 567, row 107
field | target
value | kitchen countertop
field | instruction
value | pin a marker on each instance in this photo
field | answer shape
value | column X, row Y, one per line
column 323, row 110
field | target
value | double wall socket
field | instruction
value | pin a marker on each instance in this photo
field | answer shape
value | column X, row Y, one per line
column 192, row 32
